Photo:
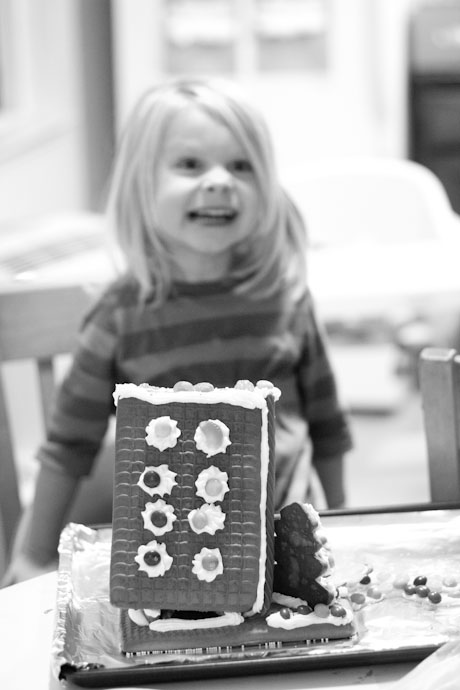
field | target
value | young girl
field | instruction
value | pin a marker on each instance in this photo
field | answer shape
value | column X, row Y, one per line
column 213, row 289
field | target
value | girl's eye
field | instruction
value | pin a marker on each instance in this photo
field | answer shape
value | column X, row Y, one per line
column 242, row 166
column 188, row 163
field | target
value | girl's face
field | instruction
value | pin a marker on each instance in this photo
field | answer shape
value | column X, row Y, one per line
column 206, row 196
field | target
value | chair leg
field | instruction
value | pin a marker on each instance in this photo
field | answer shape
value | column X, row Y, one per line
column 440, row 388
column 10, row 506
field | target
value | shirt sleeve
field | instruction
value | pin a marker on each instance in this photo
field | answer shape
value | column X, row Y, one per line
column 328, row 425
column 54, row 494
column 84, row 400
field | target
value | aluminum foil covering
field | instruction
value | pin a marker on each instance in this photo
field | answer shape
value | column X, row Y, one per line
column 383, row 546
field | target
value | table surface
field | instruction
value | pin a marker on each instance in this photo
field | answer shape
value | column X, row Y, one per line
column 27, row 613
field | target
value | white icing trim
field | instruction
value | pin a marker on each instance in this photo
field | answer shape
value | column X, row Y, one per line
column 287, row 600
column 137, row 616
column 264, row 463
column 169, row 624
column 162, row 396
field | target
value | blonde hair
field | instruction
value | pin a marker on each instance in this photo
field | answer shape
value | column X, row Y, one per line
column 273, row 258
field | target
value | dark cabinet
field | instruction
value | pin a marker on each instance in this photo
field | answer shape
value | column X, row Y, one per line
column 434, row 93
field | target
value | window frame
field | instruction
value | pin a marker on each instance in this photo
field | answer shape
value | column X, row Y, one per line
column 33, row 107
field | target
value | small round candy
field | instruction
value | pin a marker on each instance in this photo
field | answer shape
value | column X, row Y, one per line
column 152, row 558
column 213, row 487
column 209, row 562
column 162, row 429
column 374, row 593
column 183, row 386
column 434, row 597
column 365, row 580
column 321, row 610
column 338, row 611
column 304, row 609
column 244, row 385
column 285, row 613
column 420, row 580
column 203, row 386
column 263, row 383
column 199, row 520
column 151, row 479
column 449, row 581
column 358, row 598
column 158, row 518
column 409, row 589
column 422, row 591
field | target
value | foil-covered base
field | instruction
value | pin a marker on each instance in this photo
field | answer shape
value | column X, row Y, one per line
column 87, row 633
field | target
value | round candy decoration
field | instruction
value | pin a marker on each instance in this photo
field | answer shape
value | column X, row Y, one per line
column 153, row 559
column 322, row 610
column 157, row 481
column 304, row 609
column 162, row 433
column 212, row 484
column 183, row 386
column 208, row 518
column 212, row 437
column 158, row 517
column 338, row 611
column 434, row 597
column 207, row 564
column 244, row 385
column 203, row 387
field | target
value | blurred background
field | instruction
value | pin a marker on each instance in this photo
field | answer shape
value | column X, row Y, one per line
column 358, row 94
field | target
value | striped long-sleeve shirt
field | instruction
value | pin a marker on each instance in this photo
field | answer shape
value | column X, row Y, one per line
column 204, row 332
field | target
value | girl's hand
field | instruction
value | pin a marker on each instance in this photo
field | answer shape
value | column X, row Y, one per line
column 23, row 568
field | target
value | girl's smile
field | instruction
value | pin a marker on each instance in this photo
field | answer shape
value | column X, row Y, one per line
column 207, row 197
column 213, row 216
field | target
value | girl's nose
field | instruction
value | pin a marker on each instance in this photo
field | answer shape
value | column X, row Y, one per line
column 217, row 180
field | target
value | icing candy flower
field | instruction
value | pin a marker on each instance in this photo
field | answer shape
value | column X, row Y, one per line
column 157, row 480
column 153, row 559
column 212, row 484
column 158, row 517
column 162, row 433
column 208, row 518
column 207, row 564
column 212, row 437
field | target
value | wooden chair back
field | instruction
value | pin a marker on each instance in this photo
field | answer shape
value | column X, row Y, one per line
column 440, row 389
column 36, row 323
